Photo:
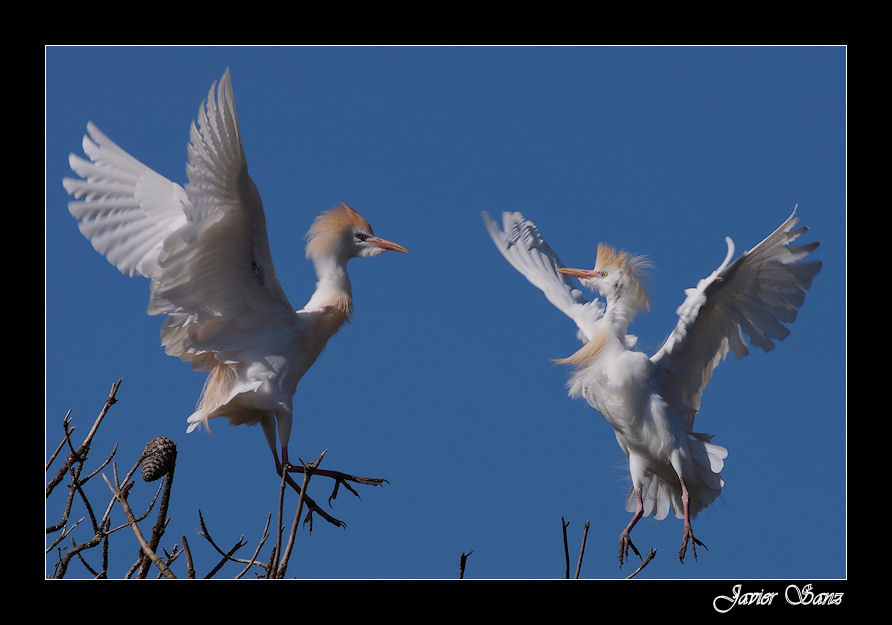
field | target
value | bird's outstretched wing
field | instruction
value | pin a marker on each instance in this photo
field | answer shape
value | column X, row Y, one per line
column 204, row 247
column 755, row 295
column 521, row 244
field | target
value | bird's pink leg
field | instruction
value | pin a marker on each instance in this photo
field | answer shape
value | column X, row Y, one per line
column 337, row 476
column 687, row 532
column 625, row 541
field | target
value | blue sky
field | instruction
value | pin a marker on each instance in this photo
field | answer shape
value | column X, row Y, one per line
column 443, row 381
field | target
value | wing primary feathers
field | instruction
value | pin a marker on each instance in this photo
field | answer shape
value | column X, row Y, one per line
column 755, row 295
column 520, row 242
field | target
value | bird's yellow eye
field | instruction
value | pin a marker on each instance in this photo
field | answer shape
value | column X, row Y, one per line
column 603, row 274
column 361, row 236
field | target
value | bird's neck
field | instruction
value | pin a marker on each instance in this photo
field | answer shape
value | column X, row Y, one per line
column 608, row 339
column 618, row 315
column 333, row 290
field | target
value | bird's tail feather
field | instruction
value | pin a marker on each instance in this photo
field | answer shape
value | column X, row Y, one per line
column 702, row 478
column 217, row 389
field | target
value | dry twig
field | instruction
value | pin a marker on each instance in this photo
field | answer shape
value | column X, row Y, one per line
column 564, row 525
column 120, row 493
column 582, row 548
column 227, row 556
column 462, row 562
column 649, row 557
column 264, row 535
column 81, row 454
column 190, row 568
column 308, row 472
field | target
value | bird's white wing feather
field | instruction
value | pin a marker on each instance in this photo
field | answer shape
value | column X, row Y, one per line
column 126, row 210
column 755, row 295
column 204, row 247
column 521, row 244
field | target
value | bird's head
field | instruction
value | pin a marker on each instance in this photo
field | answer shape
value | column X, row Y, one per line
column 343, row 233
column 616, row 276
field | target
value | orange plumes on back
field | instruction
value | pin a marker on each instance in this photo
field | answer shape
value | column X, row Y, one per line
column 588, row 352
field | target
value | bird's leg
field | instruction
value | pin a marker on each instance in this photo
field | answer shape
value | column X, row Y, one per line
column 625, row 541
column 687, row 532
column 339, row 477
column 312, row 506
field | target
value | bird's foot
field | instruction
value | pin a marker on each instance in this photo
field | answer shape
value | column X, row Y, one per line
column 625, row 541
column 339, row 478
column 688, row 535
column 312, row 506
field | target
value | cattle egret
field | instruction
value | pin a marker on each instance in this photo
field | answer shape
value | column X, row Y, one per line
column 651, row 402
column 206, row 251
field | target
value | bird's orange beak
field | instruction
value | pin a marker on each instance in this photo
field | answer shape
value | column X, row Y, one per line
column 579, row 273
column 384, row 244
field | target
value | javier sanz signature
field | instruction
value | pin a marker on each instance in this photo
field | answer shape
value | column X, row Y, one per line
column 793, row 594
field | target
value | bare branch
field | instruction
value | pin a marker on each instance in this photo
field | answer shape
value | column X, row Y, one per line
column 160, row 523
column 68, row 433
column 308, row 472
column 101, row 466
column 263, row 538
column 226, row 555
column 120, row 495
column 190, row 568
column 649, row 557
column 65, row 513
column 62, row 565
column 170, row 558
column 65, row 532
column 86, row 565
column 277, row 548
column 582, row 548
column 462, row 562
column 81, row 453
column 564, row 525
column 76, row 486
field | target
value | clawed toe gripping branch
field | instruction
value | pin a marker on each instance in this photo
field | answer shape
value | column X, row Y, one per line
column 310, row 469
column 340, row 479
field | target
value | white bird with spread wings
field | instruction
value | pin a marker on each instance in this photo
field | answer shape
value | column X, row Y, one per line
column 651, row 401
column 206, row 251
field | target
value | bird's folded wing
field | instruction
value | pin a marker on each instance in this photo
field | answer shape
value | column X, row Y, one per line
column 755, row 295
column 204, row 247
column 521, row 244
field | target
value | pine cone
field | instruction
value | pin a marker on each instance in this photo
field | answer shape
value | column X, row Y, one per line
column 159, row 458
